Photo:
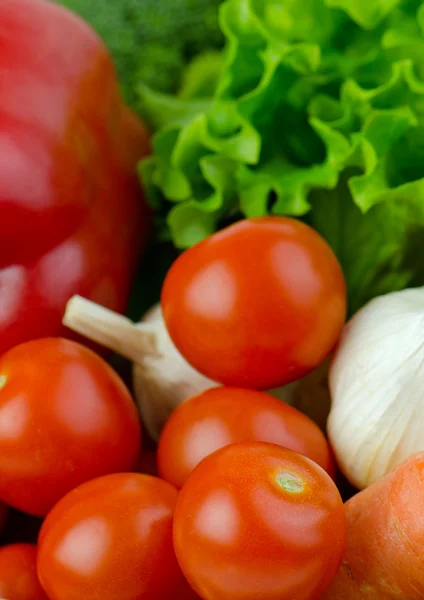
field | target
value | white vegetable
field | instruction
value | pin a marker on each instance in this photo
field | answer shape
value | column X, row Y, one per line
column 377, row 387
column 162, row 378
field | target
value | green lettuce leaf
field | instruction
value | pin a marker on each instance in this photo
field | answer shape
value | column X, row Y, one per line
column 315, row 110
column 379, row 251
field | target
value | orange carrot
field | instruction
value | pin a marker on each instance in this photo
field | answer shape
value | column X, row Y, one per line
column 384, row 559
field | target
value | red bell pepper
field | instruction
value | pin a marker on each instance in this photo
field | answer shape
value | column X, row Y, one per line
column 72, row 219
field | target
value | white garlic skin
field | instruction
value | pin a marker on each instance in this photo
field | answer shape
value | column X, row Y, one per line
column 377, row 387
column 165, row 380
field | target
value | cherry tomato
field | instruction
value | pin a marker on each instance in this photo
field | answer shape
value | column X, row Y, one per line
column 65, row 418
column 111, row 538
column 255, row 520
column 18, row 573
column 222, row 416
column 257, row 305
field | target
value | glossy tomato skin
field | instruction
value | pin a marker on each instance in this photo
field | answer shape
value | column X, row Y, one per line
column 255, row 520
column 112, row 538
column 257, row 305
column 18, row 573
column 222, row 416
column 65, row 418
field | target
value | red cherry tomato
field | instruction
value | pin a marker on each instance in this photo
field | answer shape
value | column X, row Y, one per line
column 223, row 416
column 111, row 538
column 257, row 305
column 18, row 573
column 65, row 418
column 255, row 520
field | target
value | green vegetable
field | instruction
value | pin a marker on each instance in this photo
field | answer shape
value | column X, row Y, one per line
column 317, row 112
column 152, row 40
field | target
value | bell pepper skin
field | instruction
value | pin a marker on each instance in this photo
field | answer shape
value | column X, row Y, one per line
column 72, row 217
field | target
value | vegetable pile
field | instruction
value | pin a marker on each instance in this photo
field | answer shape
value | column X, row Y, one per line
column 317, row 113
column 210, row 476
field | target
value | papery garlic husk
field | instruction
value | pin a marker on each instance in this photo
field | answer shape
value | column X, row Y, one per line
column 162, row 378
column 377, row 387
column 165, row 379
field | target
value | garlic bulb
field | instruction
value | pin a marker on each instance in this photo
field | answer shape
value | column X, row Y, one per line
column 377, row 387
column 162, row 378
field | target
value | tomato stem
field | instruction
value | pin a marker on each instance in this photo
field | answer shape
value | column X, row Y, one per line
column 290, row 482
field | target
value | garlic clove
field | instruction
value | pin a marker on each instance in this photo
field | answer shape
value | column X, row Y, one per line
column 377, row 387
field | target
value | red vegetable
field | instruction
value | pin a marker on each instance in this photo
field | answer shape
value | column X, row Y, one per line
column 111, row 539
column 257, row 305
column 255, row 520
column 18, row 573
column 223, row 416
column 72, row 219
column 65, row 418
